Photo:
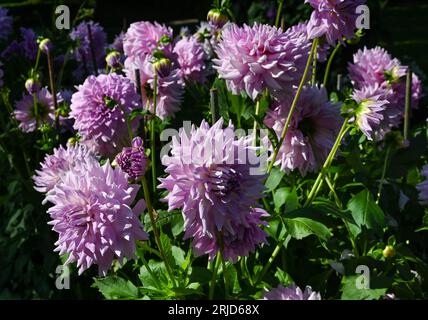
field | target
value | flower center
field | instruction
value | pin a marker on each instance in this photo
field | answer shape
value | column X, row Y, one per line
column 224, row 180
column 110, row 102
column 307, row 127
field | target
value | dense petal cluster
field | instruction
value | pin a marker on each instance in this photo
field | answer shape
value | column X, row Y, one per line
column 25, row 110
column 252, row 59
column 312, row 131
column 334, row 19
column 133, row 160
column 191, row 58
column 98, row 110
column 169, row 88
column 292, row 293
column 92, row 214
column 5, row 24
column 143, row 37
column 423, row 187
column 56, row 165
column 214, row 177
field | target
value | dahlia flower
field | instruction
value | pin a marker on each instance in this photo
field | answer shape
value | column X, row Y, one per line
column 83, row 53
column 375, row 116
column 92, row 214
column 170, row 86
column 292, row 293
column 55, row 166
column 25, row 112
column 215, row 179
column 98, row 110
column 133, row 160
column 423, row 187
column 26, row 47
column 143, row 37
column 118, row 42
column 5, row 24
column 334, row 19
column 252, row 59
column 312, row 131
column 192, row 59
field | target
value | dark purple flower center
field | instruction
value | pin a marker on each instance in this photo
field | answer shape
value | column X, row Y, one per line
column 307, row 127
column 224, row 181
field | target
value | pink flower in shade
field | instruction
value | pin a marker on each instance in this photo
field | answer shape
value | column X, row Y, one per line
column 98, row 110
column 133, row 160
column 423, row 187
column 292, row 293
column 143, row 37
column 192, row 59
column 55, row 166
column 210, row 177
column 25, row 111
column 334, row 19
column 5, row 24
column 170, row 86
column 252, row 59
column 92, row 214
column 312, row 131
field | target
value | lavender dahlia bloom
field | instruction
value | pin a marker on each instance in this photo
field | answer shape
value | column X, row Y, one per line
column 252, row 59
column 192, row 59
column 312, row 131
column 133, row 160
column 25, row 112
column 55, row 166
column 92, row 214
column 5, row 24
column 27, row 46
column 210, row 177
column 97, row 110
column 334, row 19
column 143, row 37
column 423, row 187
column 292, row 293
column 170, row 86
column 118, row 42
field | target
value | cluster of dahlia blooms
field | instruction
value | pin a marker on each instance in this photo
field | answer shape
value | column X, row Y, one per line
column 423, row 187
column 35, row 109
column 5, row 24
column 91, row 209
column 380, row 89
column 312, row 131
column 333, row 19
column 26, row 47
column 100, row 108
column 210, row 178
column 292, row 293
column 252, row 59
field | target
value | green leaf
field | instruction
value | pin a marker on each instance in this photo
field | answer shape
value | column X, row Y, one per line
column 285, row 196
column 178, row 255
column 424, row 224
column 115, row 287
column 300, row 228
column 365, row 211
column 167, row 248
column 159, row 275
column 351, row 292
column 283, row 277
column 177, row 225
column 274, row 179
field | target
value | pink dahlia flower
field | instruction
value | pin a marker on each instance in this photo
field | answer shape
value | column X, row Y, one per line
column 25, row 112
column 55, row 166
column 98, row 110
column 292, row 293
column 170, row 86
column 215, row 179
column 92, row 214
column 143, row 37
column 312, row 132
column 334, row 19
column 133, row 160
column 252, row 59
column 192, row 59
column 5, row 24
column 423, row 187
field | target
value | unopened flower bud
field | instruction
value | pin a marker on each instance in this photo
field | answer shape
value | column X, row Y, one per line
column 133, row 160
column 45, row 45
column 162, row 67
column 32, row 85
column 217, row 18
column 389, row 251
column 113, row 59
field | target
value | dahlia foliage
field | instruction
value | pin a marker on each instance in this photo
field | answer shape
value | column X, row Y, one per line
column 226, row 160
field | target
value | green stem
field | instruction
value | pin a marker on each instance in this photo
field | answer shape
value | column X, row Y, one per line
column 225, row 278
column 152, row 134
column 271, row 260
column 37, row 59
column 255, row 122
column 128, row 123
column 382, row 179
column 314, row 66
column 278, row 12
column 318, row 182
column 293, row 105
column 407, row 102
column 214, row 276
column 330, row 60
column 214, row 105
